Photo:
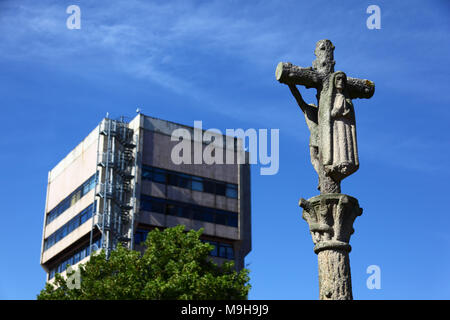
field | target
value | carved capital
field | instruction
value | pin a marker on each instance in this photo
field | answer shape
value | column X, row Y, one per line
column 330, row 218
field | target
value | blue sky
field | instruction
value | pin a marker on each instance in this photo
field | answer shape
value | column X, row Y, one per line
column 214, row 61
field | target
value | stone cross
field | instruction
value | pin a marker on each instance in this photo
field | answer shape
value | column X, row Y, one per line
column 334, row 156
column 333, row 146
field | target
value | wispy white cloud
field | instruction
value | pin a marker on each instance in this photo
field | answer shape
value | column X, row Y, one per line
column 166, row 43
column 161, row 42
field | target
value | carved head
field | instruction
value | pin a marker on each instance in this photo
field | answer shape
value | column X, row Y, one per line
column 340, row 80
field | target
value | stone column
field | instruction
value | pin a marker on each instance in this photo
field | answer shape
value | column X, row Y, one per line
column 330, row 218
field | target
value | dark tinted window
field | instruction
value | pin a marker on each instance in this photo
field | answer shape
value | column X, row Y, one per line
column 204, row 214
column 208, row 186
column 187, row 181
column 208, row 215
column 172, row 179
column 185, row 212
column 230, row 253
column 213, row 251
column 184, row 181
column 231, row 191
column 181, row 209
column 157, row 207
column 147, row 174
column 159, row 175
column 84, row 217
column 146, row 205
column 221, row 217
column 221, row 189
column 140, row 236
column 232, row 219
column 197, row 184
column 223, row 252
column 172, row 210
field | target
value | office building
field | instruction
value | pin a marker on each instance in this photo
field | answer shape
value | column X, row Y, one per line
column 120, row 182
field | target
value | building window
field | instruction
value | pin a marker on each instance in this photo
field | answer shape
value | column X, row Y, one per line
column 172, row 179
column 190, row 211
column 140, row 236
column 73, row 198
column 184, row 181
column 146, row 175
column 187, row 181
column 221, row 218
column 186, row 212
column 221, row 189
column 232, row 191
column 197, row 184
column 172, row 209
column 204, row 214
column 67, row 228
column 209, row 186
column 221, row 250
column 226, row 218
column 214, row 251
column 159, row 175
column 79, row 255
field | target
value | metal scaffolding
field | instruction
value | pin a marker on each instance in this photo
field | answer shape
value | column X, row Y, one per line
column 116, row 163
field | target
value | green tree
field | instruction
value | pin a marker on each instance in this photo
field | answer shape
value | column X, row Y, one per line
column 175, row 265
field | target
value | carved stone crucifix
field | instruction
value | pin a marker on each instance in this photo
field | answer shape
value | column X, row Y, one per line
column 333, row 146
column 334, row 155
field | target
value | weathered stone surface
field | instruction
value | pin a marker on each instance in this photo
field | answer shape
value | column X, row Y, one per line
column 288, row 73
column 337, row 133
column 330, row 218
column 334, row 275
column 334, row 156
column 332, row 124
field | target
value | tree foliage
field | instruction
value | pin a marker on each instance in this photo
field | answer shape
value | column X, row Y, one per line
column 174, row 265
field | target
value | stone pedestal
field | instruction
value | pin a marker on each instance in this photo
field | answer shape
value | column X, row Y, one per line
column 330, row 218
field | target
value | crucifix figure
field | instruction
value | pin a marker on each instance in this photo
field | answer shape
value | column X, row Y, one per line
column 334, row 156
column 333, row 146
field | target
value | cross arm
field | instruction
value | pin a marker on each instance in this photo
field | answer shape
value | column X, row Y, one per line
column 360, row 88
column 288, row 73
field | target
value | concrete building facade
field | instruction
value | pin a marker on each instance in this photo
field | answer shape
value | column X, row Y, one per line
column 120, row 182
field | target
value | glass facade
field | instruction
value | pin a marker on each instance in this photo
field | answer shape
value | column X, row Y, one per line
column 221, row 249
column 69, row 201
column 67, row 228
column 190, row 211
column 187, row 181
column 79, row 255
column 140, row 236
